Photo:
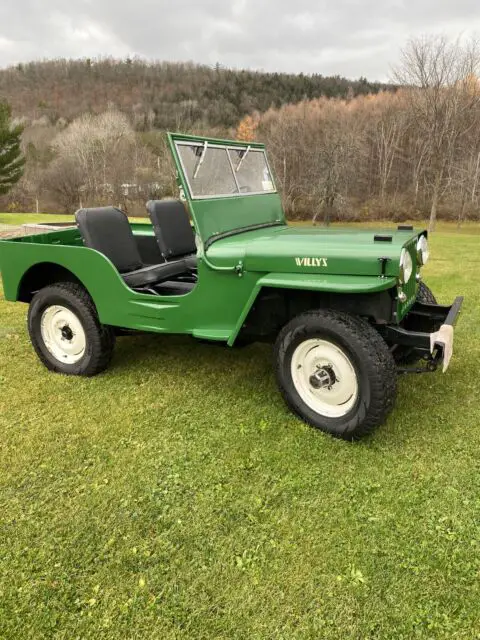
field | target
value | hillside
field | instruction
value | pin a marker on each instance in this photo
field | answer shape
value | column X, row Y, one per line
column 160, row 95
column 340, row 149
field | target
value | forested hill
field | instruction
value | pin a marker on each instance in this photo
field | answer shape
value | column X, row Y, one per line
column 163, row 94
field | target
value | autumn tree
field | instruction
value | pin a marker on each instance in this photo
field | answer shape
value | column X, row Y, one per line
column 386, row 126
column 281, row 130
column 11, row 158
column 315, row 146
column 247, row 128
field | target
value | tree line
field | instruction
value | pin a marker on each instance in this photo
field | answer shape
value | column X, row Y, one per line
column 160, row 95
column 412, row 152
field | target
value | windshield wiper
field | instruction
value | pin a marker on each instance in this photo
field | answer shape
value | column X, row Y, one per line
column 242, row 159
column 200, row 160
column 235, row 232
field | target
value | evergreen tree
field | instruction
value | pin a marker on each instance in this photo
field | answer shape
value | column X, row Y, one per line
column 11, row 158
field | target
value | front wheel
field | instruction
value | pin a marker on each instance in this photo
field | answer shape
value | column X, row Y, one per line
column 425, row 294
column 335, row 372
column 66, row 332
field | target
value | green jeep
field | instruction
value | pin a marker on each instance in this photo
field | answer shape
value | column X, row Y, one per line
column 346, row 309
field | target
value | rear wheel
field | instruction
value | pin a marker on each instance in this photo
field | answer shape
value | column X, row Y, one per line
column 335, row 372
column 66, row 332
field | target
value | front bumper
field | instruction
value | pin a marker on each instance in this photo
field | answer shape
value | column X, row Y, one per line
column 427, row 330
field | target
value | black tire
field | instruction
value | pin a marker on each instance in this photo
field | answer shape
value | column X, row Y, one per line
column 99, row 339
column 369, row 356
column 406, row 355
column 425, row 294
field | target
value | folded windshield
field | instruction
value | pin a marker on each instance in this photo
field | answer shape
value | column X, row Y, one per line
column 222, row 171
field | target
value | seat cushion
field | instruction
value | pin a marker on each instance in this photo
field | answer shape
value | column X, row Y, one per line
column 191, row 261
column 172, row 228
column 155, row 273
column 107, row 230
column 148, row 249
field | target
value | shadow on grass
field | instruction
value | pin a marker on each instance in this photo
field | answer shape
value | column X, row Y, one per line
column 134, row 348
column 248, row 374
column 200, row 363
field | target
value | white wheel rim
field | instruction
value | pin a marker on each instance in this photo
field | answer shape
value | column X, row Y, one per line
column 326, row 364
column 63, row 334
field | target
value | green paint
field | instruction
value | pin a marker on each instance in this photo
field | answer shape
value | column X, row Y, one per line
column 231, row 271
column 217, row 215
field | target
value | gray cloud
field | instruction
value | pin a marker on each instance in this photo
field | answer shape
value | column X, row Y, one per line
column 348, row 37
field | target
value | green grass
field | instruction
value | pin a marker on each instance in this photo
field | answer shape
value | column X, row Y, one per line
column 176, row 497
column 23, row 218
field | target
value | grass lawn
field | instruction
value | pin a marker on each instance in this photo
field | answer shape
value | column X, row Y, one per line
column 23, row 218
column 176, row 497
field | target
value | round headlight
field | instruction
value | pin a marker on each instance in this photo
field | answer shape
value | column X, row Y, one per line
column 406, row 266
column 423, row 251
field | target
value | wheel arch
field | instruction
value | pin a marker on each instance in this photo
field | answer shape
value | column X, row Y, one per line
column 43, row 274
column 274, row 301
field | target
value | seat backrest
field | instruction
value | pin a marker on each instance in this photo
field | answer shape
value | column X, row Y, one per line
column 172, row 227
column 107, row 230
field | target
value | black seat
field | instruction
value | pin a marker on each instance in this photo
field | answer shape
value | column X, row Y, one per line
column 173, row 230
column 107, row 230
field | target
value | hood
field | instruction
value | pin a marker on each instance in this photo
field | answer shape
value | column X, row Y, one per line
column 289, row 249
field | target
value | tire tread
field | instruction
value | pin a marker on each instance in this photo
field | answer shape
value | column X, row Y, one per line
column 383, row 378
column 101, row 336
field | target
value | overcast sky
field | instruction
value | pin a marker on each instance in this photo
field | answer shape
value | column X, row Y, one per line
column 348, row 37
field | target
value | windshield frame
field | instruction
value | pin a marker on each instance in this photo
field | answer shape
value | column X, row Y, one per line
column 243, row 146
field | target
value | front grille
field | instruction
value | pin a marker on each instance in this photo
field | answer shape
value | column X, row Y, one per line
column 410, row 288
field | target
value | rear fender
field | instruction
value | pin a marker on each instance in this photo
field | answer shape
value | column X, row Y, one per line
column 91, row 268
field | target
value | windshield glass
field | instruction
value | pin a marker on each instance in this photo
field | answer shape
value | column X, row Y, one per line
column 251, row 170
column 207, row 170
column 222, row 171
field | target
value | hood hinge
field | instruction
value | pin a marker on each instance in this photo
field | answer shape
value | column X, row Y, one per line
column 239, row 268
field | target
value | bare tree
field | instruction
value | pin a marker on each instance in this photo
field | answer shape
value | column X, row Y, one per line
column 436, row 75
column 386, row 126
column 62, row 181
column 316, row 148
column 101, row 147
column 337, row 136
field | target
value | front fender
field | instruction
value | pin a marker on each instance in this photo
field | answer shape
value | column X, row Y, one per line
column 331, row 283
column 346, row 284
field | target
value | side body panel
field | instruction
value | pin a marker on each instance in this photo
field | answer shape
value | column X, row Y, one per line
column 215, row 309
column 211, row 310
